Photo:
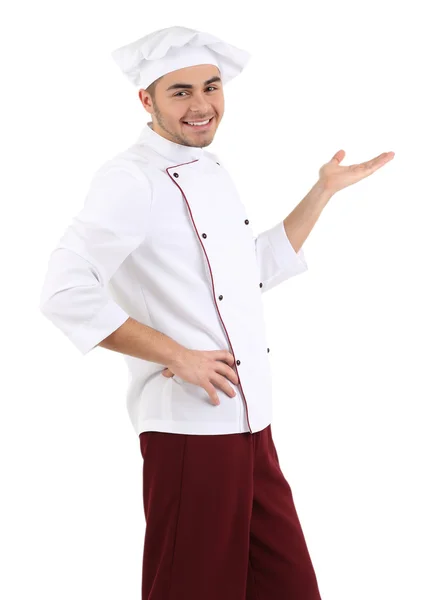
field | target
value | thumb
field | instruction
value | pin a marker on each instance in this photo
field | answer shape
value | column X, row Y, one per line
column 338, row 157
column 167, row 373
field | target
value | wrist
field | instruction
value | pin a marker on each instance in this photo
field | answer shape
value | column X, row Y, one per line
column 177, row 355
column 323, row 191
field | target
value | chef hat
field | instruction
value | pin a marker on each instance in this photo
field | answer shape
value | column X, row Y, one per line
column 172, row 48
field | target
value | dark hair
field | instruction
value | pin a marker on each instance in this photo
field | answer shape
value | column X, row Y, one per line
column 151, row 88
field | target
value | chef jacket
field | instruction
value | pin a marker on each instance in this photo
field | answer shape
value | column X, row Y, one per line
column 163, row 237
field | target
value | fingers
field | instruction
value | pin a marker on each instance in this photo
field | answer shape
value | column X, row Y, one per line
column 224, row 355
column 223, row 373
column 227, row 371
column 338, row 156
column 375, row 162
column 216, row 368
column 211, row 391
column 224, row 385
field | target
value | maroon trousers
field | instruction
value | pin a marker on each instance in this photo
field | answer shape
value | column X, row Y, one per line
column 221, row 523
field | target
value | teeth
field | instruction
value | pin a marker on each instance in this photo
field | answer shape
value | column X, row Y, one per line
column 198, row 122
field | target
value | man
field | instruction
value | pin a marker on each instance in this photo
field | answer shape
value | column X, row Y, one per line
column 162, row 266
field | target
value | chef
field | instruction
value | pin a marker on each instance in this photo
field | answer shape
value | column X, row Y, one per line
column 162, row 265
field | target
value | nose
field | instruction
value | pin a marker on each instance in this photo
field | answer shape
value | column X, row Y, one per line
column 200, row 105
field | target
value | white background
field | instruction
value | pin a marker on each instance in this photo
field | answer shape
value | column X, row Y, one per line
column 351, row 339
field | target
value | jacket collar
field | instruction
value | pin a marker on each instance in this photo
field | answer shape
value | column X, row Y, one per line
column 165, row 147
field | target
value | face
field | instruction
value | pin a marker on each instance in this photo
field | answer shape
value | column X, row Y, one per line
column 190, row 94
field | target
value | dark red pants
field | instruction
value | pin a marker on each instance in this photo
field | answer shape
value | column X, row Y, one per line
column 220, row 521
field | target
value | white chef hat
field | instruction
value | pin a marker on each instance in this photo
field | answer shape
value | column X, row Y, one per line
column 172, row 48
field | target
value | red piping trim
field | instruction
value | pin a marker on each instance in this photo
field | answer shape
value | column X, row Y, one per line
column 213, row 287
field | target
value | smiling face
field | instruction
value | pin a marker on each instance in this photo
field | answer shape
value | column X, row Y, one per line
column 190, row 94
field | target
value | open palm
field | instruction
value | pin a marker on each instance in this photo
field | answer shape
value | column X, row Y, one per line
column 336, row 177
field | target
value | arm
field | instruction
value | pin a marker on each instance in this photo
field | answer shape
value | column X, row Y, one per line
column 279, row 251
column 139, row 340
column 276, row 258
column 113, row 222
column 301, row 220
column 279, row 255
column 332, row 178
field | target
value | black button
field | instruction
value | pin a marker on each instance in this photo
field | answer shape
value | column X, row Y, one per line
column 246, row 221
column 268, row 349
column 260, row 284
column 238, row 362
column 220, row 297
column 204, row 235
column 218, row 163
column 176, row 174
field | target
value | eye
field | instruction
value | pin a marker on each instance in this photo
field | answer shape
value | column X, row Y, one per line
column 209, row 86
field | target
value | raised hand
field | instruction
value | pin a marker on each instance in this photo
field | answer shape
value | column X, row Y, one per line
column 335, row 177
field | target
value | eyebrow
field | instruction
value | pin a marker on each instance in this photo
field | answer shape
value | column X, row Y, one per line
column 188, row 86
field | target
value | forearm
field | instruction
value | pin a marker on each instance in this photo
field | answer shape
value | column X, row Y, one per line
column 139, row 340
column 299, row 223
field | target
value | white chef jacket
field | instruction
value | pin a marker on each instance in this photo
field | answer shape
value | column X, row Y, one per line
column 163, row 237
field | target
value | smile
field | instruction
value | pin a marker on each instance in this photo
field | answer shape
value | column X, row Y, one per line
column 204, row 126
